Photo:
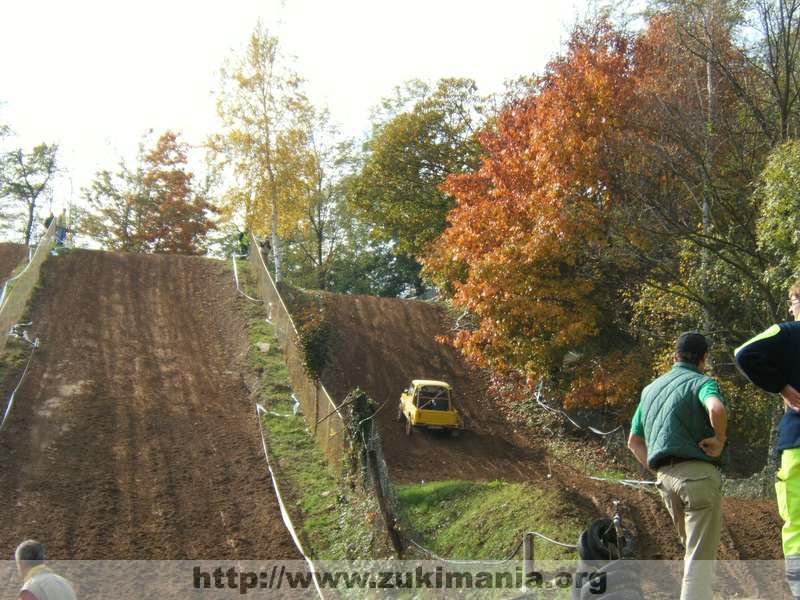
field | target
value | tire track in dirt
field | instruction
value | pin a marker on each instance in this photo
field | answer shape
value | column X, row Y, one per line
column 133, row 435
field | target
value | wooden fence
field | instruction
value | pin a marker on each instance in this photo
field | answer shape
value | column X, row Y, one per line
column 319, row 410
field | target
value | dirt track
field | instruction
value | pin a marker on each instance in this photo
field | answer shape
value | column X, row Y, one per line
column 133, row 436
column 10, row 256
column 381, row 344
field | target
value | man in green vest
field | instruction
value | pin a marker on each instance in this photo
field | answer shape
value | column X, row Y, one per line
column 679, row 432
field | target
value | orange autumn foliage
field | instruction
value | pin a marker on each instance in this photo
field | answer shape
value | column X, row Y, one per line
column 532, row 249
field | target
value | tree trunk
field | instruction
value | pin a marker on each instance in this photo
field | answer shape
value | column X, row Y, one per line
column 276, row 249
column 711, row 86
column 29, row 227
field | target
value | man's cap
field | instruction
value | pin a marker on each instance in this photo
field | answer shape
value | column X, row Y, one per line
column 692, row 342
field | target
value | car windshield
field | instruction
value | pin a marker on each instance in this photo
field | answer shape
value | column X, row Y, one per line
column 433, row 398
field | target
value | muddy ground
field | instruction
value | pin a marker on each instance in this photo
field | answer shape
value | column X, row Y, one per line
column 381, row 344
column 11, row 255
column 132, row 436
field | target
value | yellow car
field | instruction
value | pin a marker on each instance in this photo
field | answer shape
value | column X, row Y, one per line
column 428, row 403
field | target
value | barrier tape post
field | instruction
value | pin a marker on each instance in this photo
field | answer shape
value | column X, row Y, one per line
column 287, row 521
column 10, row 403
column 234, row 256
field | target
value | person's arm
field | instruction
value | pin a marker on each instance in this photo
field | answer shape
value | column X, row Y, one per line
column 718, row 416
column 637, row 445
column 636, row 441
column 758, row 360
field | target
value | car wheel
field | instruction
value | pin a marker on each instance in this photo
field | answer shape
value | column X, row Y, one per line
column 599, row 542
column 408, row 426
column 399, row 411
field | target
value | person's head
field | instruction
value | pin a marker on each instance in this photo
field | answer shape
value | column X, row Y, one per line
column 691, row 347
column 794, row 300
column 29, row 554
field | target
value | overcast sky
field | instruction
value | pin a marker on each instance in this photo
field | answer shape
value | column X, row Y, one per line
column 94, row 76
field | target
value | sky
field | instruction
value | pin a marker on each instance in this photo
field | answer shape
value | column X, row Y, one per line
column 94, row 76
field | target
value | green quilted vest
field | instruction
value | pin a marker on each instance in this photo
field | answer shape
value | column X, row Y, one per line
column 674, row 419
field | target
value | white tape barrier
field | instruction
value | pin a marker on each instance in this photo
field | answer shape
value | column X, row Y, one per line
column 7, row 412
column 296, row 406
column 492, row 562
column 547, row 539
column 289, row 315
column 10, row 279
column 467, row 562
column 287, row 521
column 557, row 411
column 234, row 256
column 634, row 483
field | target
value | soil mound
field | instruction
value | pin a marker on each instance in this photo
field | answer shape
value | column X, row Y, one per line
column 10, row 256
column 132, row 436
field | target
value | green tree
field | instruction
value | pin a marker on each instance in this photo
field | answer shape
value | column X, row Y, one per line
column 778, row 226
column 27, row 178
column 421, row 136
column 263, row 110
column 318, row 236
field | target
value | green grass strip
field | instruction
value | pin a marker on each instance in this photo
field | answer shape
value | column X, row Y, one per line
column 338, row 523
column 485, row 520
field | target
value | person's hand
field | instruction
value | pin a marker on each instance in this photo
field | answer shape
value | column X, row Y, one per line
column 712, row 446
column 791, row 397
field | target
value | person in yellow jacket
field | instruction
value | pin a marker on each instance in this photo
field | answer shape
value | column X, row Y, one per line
column 771, row 361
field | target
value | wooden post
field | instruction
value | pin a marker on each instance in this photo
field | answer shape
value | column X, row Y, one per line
column 388, row 518
column 527, row 555
column 316, row 406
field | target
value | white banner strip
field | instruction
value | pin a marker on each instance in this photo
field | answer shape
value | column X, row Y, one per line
column 236, row 278
column 19, row 385
column 284, row 513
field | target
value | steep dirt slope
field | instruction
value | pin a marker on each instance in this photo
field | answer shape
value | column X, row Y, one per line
column 381, row 344
column 10, row 256
column 132, row 436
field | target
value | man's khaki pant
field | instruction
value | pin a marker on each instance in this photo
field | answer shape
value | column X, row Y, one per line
column 692, row 491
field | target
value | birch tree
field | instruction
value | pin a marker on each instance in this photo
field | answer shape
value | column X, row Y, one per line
column 262, row 107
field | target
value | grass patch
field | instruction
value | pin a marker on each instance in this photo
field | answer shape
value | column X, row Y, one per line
column 485, row 520
column 12, row 361
column 336, row 522
column 591, row 458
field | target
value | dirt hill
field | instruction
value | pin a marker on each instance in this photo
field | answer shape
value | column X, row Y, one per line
column 133, row 436
column 10, row 256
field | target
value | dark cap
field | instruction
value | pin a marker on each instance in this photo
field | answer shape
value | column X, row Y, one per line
column 692, row 342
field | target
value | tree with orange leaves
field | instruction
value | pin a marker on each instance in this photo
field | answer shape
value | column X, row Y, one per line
column 156, row 207
column 535, row 249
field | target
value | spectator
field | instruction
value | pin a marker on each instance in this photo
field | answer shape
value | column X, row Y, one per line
column 244, row 245
column 679, row 431
column 39, row 581
column 61, row 230
column 771, row 361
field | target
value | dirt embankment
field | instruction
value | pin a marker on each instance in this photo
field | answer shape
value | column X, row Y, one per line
column 133, row 436
column 382, row 344
column 11, row 255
